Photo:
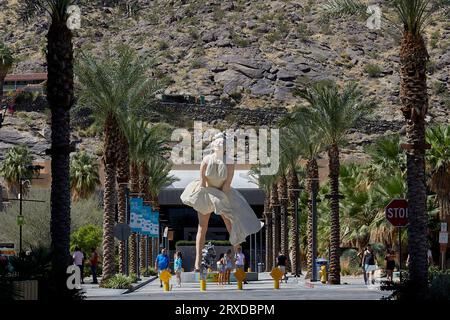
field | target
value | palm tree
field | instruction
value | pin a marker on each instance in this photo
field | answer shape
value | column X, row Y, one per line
column 60, row 97
column 438, row 160
column 15, row 166
column 144, row 143
column 84, row 175
column 265, row 183
column 358, row 206
column 123, row 177
column 113, row 88
column 288, row 163
column 156, row 174
column 275, row 210
column 333, row 112
column 301, row 139
column 414, row 16
column 283, row 198
column 6, row 63
column 386, row 155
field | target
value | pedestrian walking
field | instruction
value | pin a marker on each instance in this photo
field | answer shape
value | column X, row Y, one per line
column 78, row 259
column 221, row 269
column 162, row 263
column 93, row 261
column 228, row 264
column 281, row 264
column 178, row 265
column 369, row 265
column 390, row 264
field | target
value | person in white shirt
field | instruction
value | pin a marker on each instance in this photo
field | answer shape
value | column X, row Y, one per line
column 78, row 258
column 240, row 260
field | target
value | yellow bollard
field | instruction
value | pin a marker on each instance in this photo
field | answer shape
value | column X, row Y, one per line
column 202, row 285
column 276, row 274
column 166, row 286
column 240, row 277
column 323, row 274
column 165, row 277
column 276, row 284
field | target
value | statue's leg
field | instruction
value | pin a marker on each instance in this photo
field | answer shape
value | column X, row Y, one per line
column 228, row 225
column 203, row 220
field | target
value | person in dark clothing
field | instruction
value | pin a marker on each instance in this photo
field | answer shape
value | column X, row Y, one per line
column 369, row 265
column 281, row 264
column 390, row 264
column 94, row 263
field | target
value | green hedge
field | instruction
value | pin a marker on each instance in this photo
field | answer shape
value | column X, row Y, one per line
column 218, row 243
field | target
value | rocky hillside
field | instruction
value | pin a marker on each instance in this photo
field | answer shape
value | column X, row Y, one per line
column 250, row 53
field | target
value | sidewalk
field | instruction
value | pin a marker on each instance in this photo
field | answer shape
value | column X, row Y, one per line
column 352, row 288
column 94, row 290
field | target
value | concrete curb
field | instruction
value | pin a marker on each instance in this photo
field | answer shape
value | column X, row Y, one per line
column 140, row 285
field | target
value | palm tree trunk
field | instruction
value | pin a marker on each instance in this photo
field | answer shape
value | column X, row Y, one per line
column 145, row 255
column 312, row 172
column 109, row 198
column 283, row 196
column 134, row 189
column 334, row 166
column 274, row 202
column 268, row 231
column 142, row 253
column 60, row 97
column 294, row 232
column 123, row 177
column 414, row 98
column 2, row 82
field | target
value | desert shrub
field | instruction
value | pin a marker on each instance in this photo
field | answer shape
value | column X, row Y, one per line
column 118, row 281
column 162, row 45
column 439, row 284
column 373, row 70
column 440, row 88
column 196, row 64
column 274, row 36
column 29, row 101
column 150, row 272
column 431, row 66
column 133, row 277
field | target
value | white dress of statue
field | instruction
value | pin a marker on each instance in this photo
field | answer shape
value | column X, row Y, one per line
column 213, row 193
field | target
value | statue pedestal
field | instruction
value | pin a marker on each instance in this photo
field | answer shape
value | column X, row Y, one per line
column 194, row 277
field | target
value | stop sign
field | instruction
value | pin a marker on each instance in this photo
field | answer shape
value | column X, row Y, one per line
column 397, row 212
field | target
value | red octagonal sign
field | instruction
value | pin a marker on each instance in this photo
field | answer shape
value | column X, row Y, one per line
column 397, row 212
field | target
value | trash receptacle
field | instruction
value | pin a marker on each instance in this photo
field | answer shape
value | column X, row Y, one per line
column 260, row 267
column 321, row 262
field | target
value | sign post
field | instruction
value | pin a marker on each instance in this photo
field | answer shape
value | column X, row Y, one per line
column 397, row 214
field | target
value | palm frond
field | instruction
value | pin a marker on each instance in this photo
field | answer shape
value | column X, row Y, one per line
column 344, row 7
column 414, row 14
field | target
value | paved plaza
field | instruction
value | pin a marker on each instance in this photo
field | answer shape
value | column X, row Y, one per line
column 352, row 288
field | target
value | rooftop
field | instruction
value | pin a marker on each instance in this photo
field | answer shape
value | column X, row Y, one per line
column 26, row 77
